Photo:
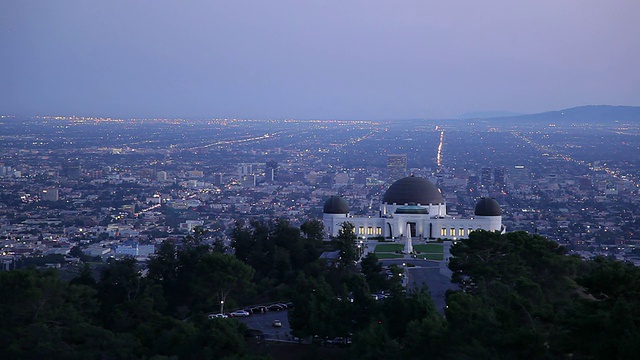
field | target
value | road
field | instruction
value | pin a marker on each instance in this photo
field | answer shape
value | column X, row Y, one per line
column 434, row 274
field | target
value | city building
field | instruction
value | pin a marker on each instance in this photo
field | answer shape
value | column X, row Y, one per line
column 245, row 169
column 499, row 177
column 50, row 194
column 485, row 176
column 396, row 166
column 413, row 204
column 271, row 171
column 217, row 179
column 161, row 176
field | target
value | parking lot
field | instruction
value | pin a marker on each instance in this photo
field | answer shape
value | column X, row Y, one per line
column 264, row 323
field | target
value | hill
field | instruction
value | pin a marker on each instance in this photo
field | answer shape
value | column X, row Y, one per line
column 600, row 114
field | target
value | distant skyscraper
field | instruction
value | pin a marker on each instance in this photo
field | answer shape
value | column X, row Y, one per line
column 499, row 178
column 245, row 169
column 271, row 171
column 217, row 179
column 519, row 176
column 485, row 176
column 72, row 170
column 396, row 166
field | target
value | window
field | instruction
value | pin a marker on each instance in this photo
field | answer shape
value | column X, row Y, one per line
column 378, row 231
column 361, row 230
column 461, row 232
column 369, row 230
column 452, row 232
column 470, row 231
column 443, row 232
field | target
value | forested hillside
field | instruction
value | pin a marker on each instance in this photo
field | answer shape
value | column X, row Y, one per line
column 521, row 297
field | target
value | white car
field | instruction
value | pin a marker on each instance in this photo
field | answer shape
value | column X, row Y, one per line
column 240, row 313
column 218, row 316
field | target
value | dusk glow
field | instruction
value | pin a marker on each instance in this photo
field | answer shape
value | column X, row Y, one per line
column 315, row 59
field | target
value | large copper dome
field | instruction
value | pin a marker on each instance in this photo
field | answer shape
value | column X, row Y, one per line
column 413, row 189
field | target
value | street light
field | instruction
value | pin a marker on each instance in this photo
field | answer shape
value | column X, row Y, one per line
column 221, row 306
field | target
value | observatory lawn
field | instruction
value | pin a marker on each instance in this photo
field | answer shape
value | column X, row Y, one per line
column 389, row 248
column 438, row 257
column 429, row 248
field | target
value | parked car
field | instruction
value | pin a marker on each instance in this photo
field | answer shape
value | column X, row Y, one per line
column 277, row 323
column 240, row 313
column 275, row 307
column 340, row 341
column 290, row 305
column 218, row 316
column 259, row 309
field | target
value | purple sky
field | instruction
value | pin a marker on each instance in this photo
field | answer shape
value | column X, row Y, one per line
column 315, row 59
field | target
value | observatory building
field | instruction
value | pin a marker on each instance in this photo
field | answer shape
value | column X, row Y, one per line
column 412, row 204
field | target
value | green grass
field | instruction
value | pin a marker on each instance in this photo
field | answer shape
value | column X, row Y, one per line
column 388, row 256
column 389, row 248
column 439, row 257
column 428, row 248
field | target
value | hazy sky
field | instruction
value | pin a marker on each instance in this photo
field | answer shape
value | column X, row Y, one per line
column 315, row 59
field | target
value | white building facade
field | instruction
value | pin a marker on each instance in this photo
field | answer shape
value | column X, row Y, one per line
column 413, row 204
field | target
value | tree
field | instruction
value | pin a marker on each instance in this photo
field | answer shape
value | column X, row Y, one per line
column 119, row 282
column 76, row 252
column 85, row 277
column 275, row 249
column 603, row 321
column 218, row 276
column 375, row 343
column 372, row 271
column 319, row 311
column 345, row 242
column 514, row 285
column 313, row 230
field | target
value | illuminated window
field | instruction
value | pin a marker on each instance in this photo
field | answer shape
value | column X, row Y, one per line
column 470, row 231
column 378, row 231
column 452, row 232
column 369, row 230
column 461, row 232
column 361, row 230
column 443, row 232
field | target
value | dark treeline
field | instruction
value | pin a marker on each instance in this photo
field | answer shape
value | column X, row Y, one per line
column 521, row 297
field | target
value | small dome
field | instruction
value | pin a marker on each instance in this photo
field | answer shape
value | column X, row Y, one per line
column 413, row 190
column 336, row 205
column 488, row 207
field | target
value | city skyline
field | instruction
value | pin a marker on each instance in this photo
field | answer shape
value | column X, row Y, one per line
column 329, row 60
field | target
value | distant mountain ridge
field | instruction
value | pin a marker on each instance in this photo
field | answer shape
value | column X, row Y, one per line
column 488, row 114
column 579, row 114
